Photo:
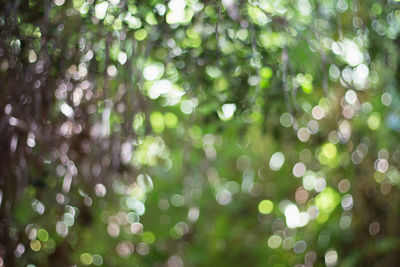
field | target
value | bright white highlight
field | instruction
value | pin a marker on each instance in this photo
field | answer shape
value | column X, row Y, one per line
column 227, row 111
column 352, row 54
column 67, row 110
column 153, row 72
column 292, row 215
column 294, row 218
column 350, row 97
column 100, row 10
column 276, row 161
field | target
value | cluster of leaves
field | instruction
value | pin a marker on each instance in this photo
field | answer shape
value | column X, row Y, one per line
column 211, row 133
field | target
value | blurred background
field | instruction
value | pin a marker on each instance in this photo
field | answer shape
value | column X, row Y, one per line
column 199, row 133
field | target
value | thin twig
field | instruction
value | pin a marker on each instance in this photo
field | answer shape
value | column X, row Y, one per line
column 285, row 59
column 284, row 69
column 339, row 25
column 255, row 56
column 323, row 65
column 216, row 32
column 315, row 30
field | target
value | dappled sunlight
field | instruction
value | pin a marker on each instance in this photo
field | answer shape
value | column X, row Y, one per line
column 199, row 133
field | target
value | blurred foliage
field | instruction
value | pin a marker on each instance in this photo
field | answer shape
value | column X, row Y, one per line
column 199, row 133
